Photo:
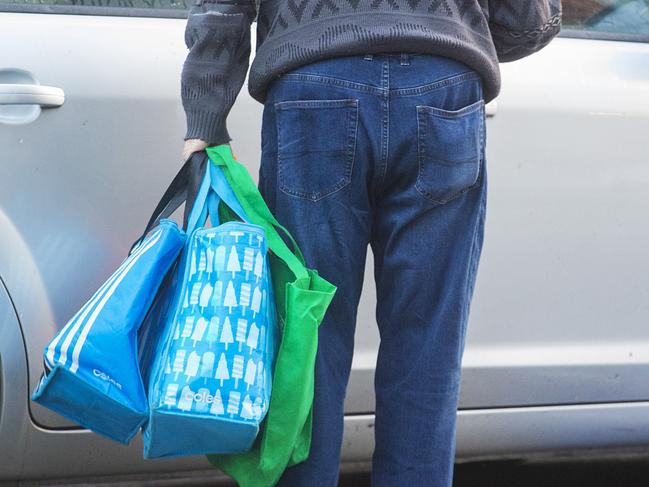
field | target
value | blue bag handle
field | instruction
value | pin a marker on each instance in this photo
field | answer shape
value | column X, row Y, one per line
column 213, row 189
column 198, row 213
column 222, row 188
column 183, row 189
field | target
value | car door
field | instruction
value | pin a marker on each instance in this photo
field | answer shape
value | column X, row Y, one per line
column 91, row 129
column 561, row 304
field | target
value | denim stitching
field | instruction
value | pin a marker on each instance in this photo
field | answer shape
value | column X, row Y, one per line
column 419, row 149
column 330, row 80
column 452, row 114
column 367, row 88
column 385, row 128
column 446, row 82
column 421, row 153
column 475, row 250
column 319, row 103
column 471, row 275
column 354, row 136
column 350, row 154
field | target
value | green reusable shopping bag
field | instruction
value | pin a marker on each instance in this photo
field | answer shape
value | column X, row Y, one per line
column 302, row 298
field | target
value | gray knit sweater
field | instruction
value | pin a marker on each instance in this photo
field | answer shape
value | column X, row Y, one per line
column 291, row 33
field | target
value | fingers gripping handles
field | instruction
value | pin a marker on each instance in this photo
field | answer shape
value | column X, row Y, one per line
column 211, row 176
column 201, row 186
column 183, row 189
column 214, row 189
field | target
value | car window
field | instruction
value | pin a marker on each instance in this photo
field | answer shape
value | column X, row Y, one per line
column 153, row 8
column 626, row 17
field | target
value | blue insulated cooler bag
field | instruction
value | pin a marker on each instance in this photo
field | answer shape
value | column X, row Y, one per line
column 92, row 376
column 209, row 378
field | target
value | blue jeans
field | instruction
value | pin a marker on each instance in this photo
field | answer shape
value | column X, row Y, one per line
column 386, row 150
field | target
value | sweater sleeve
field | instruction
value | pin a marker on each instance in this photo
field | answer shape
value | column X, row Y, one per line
column 520, row 28
column 217, row 35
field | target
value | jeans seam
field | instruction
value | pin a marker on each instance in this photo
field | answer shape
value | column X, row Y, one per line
column 427, row 194
column 443, row 83
column 385, row 123
column 350, row 156
column 473, row 266
column 368, row 88
column 330, row 80
column 450, row 114
column 316, row 103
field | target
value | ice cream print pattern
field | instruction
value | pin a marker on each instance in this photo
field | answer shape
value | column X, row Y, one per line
column 215, row 363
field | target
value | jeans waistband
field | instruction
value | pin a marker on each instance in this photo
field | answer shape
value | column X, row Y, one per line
column 403, row 56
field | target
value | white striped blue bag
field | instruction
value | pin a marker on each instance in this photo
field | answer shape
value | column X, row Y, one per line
column 209, row 378
column 92, row 375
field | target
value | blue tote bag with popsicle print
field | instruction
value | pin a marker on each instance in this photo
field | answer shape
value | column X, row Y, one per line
column 214, row 323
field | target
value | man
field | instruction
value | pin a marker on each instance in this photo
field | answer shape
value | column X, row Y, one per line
column 373, row 132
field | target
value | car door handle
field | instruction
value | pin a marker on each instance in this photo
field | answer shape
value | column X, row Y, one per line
column 491, row 108
column 27, row 94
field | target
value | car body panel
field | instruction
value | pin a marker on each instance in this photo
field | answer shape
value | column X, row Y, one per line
column 14, row 420
column 561, row 304
column 79, row 182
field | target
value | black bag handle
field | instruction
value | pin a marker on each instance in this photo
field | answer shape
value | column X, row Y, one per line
column 183, row 188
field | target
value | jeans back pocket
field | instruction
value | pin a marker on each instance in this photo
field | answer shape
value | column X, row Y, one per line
column 316, row 143
column 449, row 150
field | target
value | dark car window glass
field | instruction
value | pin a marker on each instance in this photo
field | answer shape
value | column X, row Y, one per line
column 165, row 8
column 153, row 4
column 607, row 16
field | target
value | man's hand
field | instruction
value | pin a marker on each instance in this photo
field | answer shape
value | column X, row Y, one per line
column 191, row 146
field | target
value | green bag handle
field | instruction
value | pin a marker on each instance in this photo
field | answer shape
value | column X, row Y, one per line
column 261, row 466
column 222, row 155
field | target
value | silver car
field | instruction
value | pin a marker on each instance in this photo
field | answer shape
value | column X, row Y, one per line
column 557, row 354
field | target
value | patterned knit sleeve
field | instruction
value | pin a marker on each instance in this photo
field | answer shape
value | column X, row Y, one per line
column 522, row 27
column 217, row 35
